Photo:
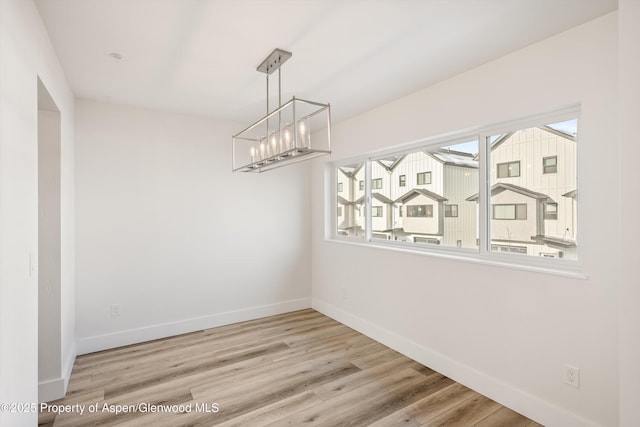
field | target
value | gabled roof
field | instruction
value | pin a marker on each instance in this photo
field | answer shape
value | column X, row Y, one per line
column 351, row 170
column 502, row 186
column 377, row 196
column 455, row 158
column 548, row 129
column 419, row 191
column 390, row 163
column 382, row 198
column 344, row 201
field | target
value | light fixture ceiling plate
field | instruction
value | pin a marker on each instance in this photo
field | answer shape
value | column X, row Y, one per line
column 272, row 62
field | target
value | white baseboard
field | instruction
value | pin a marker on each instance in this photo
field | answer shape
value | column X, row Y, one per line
column 51, row 390
column 57, row 388
column 147, row 333
column 520, row 401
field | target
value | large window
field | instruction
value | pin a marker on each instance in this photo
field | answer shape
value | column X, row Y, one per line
column 525, row 204
column 510, row 211
column 424, row 211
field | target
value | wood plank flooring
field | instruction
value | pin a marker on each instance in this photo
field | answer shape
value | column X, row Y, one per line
column 294, row 369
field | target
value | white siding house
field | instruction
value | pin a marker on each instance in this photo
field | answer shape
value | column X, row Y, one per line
column 536, row 167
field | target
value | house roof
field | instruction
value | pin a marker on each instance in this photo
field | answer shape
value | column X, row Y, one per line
column 548, row 129
column 502, row 186
column 351, row 170
column 571, row 194
column 390, row 163
column 382, row 198
column 344, row 201
column 419, row 191
column 455, row 158
column 554, row 242
column 377, row 196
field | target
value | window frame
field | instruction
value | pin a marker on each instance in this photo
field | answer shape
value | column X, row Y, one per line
column 402, row 181
column 424, row 175
column 373, row 183
column 482, row 253
column 545, row 166
column 515, row 211
column 508, row 169
column 450, row 208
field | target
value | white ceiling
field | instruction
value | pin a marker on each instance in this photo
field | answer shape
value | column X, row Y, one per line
column 200, row 56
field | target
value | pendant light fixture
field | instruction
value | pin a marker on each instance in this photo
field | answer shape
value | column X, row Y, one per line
column 297, row 130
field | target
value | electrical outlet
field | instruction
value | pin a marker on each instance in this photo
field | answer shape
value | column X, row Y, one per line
column 572, row 376
column 115, row 310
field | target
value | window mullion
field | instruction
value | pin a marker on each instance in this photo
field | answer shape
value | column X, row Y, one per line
column 484, row 181
column 367, row 199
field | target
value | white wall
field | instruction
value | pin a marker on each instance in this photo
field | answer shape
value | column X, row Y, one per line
column 25, row 55
column 505, row 332
column 166, row 230
column 629, row 32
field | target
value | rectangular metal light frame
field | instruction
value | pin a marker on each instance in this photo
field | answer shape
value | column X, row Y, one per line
column 292, row 155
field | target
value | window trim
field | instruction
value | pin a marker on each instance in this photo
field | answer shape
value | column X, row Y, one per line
column 508, row 169
column 402, row 181
column 544, row 165
column 451, row 206
column 425, row 175
column 376, row 180
column 515, row 211
column 482, row 254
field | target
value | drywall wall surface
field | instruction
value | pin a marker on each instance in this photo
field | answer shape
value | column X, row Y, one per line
column 26, row 55
column 505, row 332
column 169, row 239
column 629, row 33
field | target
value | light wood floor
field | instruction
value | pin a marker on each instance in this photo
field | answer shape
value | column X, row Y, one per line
column 294, row 369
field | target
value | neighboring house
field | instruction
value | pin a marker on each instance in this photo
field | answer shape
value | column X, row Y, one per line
column 533, row 193
column 429, row 191
column 350, row 215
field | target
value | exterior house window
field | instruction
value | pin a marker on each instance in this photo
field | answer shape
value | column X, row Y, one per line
column 550, row 210
column 510, row 211
column 420, row 211
column 423, row 178
column 376, row 211
column 376, row 184
column 509, row 169
column 361, row 185
column 426, row 240
column 451, row 211
column 550, row 164
column 339, row 187
column 402, row 180
column 511, row 249
column 400, row 211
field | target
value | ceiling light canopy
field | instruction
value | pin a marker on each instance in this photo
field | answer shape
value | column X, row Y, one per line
column 297, row 130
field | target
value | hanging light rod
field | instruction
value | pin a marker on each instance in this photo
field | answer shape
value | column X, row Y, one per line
column 284, row 135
